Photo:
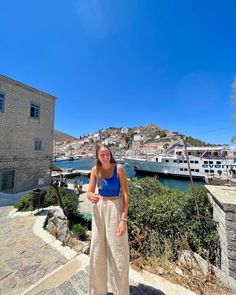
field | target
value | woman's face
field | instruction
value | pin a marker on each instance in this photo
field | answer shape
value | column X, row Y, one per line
column 104, row 155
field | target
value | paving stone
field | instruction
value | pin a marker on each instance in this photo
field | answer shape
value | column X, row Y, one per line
column 54, row 292
column 53, row 266
column 4, row 274
column 27, row 270
column 29, row 253
column 39, row 275
column 46, row 292
column 67, row 288
column 81, row 281
column 9, row 282
column 15, row 263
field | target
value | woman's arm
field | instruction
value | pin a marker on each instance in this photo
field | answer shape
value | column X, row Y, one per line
column 125, row 196
column 124, row 189
column 92, row 185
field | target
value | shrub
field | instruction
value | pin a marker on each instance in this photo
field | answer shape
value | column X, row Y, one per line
column 50, row 197
column 201, row 232
column 79, row 231
column 24, row 203
column 84, row 218
column 70, row 203
column 161, row 217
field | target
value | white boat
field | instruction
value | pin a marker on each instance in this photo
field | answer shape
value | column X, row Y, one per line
column 204, row 162
column 63, row 158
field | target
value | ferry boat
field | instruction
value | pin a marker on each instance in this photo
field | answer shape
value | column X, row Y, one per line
column 204, row 162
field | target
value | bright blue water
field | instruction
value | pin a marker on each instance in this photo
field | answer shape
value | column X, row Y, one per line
column 87, row 164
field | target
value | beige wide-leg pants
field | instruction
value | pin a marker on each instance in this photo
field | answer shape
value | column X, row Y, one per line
column 108, row 250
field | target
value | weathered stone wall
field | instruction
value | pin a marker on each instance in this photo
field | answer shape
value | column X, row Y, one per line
column 225, row 215
column 27, row 174
column 18, row 131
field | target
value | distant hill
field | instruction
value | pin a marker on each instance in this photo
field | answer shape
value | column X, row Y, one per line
column 151, row 133
column 61, row 136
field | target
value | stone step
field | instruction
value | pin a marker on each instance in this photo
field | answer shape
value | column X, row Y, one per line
column 62, row 277
column 72, row 279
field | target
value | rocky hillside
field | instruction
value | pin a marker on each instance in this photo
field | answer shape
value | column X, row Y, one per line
column 61, row 136
column 150, row 133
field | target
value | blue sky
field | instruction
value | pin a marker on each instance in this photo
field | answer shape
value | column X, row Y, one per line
column 127, row 62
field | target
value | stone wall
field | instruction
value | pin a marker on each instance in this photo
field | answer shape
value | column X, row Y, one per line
column 223, row 200
column 18, row 133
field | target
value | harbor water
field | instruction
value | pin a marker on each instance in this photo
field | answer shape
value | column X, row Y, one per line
column 87, row 164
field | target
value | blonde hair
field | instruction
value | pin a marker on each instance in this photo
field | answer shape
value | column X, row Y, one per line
column 99, row 164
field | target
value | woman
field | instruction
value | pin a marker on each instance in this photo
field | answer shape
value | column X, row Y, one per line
column 109, row 245
column 76, row 189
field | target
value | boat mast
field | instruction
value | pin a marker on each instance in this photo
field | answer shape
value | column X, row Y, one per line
column 190, row 176
column 226, row 164
column 187, row 157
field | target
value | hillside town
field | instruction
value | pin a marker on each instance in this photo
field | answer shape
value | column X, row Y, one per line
column 145, row 140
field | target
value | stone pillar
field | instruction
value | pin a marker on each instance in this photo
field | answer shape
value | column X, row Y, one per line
column 223, row 200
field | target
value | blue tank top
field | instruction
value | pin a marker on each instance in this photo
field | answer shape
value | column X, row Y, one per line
column 110, row 186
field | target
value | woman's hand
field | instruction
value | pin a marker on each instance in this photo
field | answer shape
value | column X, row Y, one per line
column 93, row 197
column 121, row 228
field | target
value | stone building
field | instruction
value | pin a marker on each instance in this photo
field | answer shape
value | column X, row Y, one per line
column 26, row 136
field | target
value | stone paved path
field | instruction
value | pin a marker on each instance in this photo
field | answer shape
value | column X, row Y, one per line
column 25, row 258
column 31, row 266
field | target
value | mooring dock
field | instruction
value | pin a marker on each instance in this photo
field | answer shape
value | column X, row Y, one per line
column 70, row 173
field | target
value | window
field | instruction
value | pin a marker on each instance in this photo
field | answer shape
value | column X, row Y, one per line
column 7, row 178
column 211, row 162
column 212, row 171
column 205, row 162
column 207, row 171
column 38, row 144
column 197, row 170
column 191, row 162
column 185, row 161
column 167, row 161
column 35, row 110
column 218, row 162
column 185, row 169
column 2, row 99
column 181, row 169
column 196, row 162
column 175, row 161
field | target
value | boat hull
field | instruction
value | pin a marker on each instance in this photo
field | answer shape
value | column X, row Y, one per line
column 178, row 167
